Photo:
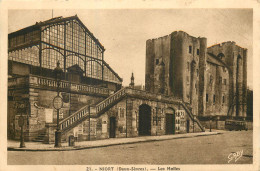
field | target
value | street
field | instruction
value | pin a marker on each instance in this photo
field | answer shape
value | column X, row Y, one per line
column 233, row 147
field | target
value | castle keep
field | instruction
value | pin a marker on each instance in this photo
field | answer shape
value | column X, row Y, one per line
column 185, row 83
column 212, row 81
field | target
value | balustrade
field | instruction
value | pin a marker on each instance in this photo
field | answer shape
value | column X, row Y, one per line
column 52, row 83
column 79, row 115
column 110, row 100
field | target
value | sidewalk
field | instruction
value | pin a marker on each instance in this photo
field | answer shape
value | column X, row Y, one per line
column 37, row 146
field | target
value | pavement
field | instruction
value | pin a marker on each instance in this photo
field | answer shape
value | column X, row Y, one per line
column 13, row 145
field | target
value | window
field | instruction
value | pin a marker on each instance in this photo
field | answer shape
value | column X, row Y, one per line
column 157, row 61
column 198, row 51
column 190, row 49
column 188, row 66
column 221, row 56
column 210, row 79
column 214, row 98
column 122, row 112
column 223, row 99
column 225, row 81
column 220, row 80
column 207, row 97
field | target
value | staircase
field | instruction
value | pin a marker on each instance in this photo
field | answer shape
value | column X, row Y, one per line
column 93, row 111
column 41, row 136
column 194, row 119
column 110, row 101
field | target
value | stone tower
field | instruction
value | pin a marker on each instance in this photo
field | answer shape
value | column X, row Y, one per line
column 174, row 66
column 235, row 57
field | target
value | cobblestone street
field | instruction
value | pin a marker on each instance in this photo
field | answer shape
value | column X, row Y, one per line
column 214, row 149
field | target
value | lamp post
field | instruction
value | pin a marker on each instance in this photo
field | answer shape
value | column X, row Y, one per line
column 21, row 124
column 194, row 117
column 57, row 103
column 89, row 122
column 210, row 123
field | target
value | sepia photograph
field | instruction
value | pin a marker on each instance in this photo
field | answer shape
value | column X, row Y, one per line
column 130, row 89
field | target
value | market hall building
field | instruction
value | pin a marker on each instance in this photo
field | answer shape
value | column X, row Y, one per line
column 95, row 104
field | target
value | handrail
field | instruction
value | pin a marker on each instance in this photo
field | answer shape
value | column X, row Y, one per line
column 81, row 114
column 103, row 104
column 192, row 116
column 85, row 111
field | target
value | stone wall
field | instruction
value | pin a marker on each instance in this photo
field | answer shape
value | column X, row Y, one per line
column 235, row 57
column 40, row 104
column 157, row 64
column 172, row 66
column 202, row 77
column 217, row 90
column 220, row 124
column 126, row 113
column 16, row 97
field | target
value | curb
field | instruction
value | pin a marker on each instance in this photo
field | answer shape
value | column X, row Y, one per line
column 105, row 145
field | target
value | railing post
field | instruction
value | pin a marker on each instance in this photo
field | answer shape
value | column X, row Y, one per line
column 126, row 118
column 89, row 122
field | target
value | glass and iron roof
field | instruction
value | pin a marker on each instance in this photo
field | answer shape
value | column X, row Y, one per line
column 65, row 39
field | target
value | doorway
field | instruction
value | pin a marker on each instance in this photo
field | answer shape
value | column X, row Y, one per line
column 112, row 130
column 188, row 126
column 170, row 124
column 144, row 120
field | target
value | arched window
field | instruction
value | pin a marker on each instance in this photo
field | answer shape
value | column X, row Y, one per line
column 221, row 56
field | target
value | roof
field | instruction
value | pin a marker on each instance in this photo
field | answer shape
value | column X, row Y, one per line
column 106, row 64
column 75, row 68
column 211, row 58
column 224, row 43
column 60, row 19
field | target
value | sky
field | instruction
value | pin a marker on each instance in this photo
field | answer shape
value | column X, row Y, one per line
column 124, row 32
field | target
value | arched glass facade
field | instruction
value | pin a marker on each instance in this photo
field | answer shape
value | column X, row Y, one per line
column 63, row 39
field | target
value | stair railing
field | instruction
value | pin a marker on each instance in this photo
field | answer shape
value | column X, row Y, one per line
column 86, row 111
column 76, row 117
column 103, row 104
column 192, row 116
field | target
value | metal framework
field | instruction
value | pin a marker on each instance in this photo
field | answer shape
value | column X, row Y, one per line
column 65, row 39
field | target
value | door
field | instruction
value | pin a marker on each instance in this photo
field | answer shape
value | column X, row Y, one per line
column 144, row 120
column 170, row 124
column 112, row 131
column 188, row 126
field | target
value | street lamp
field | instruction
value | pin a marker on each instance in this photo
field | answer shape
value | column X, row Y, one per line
column 194, row 117
column 210, row 122
column 21, row 108
column 57, row 104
